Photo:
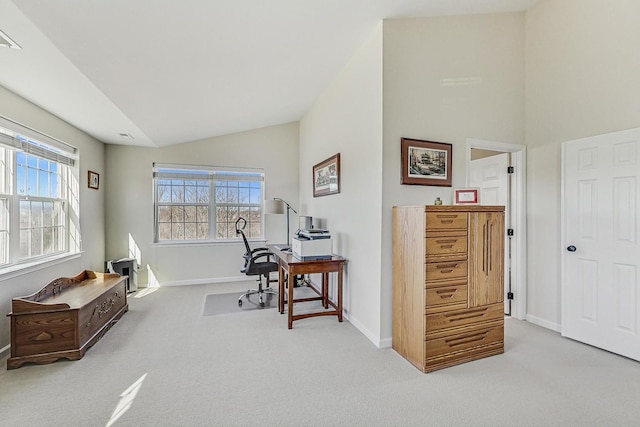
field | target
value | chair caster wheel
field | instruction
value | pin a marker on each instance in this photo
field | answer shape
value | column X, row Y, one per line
column 239, row 303
column 261, row 304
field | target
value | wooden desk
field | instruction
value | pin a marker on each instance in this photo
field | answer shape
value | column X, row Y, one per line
column 288, row 264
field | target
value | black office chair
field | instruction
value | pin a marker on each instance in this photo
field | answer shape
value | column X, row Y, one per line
column 252, row 267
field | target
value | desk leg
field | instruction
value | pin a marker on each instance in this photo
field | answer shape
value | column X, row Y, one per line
column 280, row 287
column 325, row 290
column 340, row 292
column 290, row 300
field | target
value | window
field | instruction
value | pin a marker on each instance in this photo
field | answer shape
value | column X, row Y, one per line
column 35, row 187
column 201, row 203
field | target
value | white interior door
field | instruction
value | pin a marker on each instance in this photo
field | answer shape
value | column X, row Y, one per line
column 601, row 256
column 490, row 175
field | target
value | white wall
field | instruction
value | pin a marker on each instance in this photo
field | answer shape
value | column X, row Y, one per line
column 92, row 219
column 347, row 119
column 581, row 80
column 129, row 201
column 419, row 55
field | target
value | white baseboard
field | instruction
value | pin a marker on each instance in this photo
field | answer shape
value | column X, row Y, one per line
column 204, row 281
column 544, row 323
column 4, row 350
column 364, row 331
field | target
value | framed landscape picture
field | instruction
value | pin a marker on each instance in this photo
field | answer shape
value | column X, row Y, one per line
column 326, row 177
column 426, row 162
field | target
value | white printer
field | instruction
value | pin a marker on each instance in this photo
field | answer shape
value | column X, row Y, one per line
column 312, row 244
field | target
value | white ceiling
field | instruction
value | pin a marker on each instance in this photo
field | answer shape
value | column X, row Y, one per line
column 168, row 72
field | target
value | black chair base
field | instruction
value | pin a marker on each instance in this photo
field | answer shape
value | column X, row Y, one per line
column 260, row 292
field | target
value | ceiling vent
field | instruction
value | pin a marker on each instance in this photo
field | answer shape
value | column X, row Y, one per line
column 5, row 41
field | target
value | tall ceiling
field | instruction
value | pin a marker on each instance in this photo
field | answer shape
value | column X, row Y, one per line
column 163, row 72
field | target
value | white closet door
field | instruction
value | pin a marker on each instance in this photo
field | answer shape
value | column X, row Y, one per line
column 601, row 253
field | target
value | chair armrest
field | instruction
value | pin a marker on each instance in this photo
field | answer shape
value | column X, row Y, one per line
column 261, row 255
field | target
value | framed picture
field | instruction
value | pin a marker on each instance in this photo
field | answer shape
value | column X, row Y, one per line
column 94, row 180
column 426, row 162
column 466, row 196
column 326, row 177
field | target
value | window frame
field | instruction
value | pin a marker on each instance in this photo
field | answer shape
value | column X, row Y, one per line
column 212, row 174
column 16, row 140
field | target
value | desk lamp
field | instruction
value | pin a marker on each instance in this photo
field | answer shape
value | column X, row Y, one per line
column 276, row 206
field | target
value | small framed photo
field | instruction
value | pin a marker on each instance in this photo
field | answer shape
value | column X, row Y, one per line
column 94, row 180
column 326, row 176
column 466, row 196
column 426, row 162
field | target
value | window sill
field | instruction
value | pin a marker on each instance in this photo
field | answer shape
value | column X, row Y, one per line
column 195, row 243
column 17, row 270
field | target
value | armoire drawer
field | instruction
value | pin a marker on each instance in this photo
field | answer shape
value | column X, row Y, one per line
column 445, row 270
column 464, row 346
column 446, row 221
column 460, row 318
column 446, row 245
column 446, row 298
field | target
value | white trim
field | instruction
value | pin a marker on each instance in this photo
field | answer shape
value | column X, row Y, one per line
column 4, row 350
column 519, row 213
column 17, row 270
column 204, row 281
column 543, row 323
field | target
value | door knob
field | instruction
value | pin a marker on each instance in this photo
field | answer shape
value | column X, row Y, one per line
column 571, row 248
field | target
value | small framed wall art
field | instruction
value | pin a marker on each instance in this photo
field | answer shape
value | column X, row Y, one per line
column 326, row 176
column 426, row 162
column 466, row 196
column 94, row 180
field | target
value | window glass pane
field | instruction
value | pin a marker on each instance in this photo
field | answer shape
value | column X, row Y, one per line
column 48, row 244
column 36, row 214
column 32, row 182
column 177, row 192
column 36, row 242
column 164, row 193
column 222, row 230
column 203, row 231
column 256, row 196
column 203, row 193
column 233, row 214
column 25, row 239
column 190, row 231
column 221, row 194
column 47, row 218
column 177, row 213
column 164, row 231
column 190, row 192
column 25, row 214
column 177, row 231
column 243, row 195
column 164, row 213
column 232, row 195
column 222, row 214
column 190, row 214
column 203, row 214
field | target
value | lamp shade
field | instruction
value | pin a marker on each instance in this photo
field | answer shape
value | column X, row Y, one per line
column 273, row 206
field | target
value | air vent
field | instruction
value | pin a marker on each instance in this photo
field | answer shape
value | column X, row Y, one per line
column 125, row 135
column 5, row 41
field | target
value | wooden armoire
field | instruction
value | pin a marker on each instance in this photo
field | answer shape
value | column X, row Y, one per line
column 448, row 284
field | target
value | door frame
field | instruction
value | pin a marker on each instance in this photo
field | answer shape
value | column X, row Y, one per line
column 518, row 198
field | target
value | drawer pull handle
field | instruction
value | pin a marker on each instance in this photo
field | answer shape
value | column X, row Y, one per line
column 465, row 316
column 446, row 221
column 446, row 266
column 466, row 339
column 447, row 216
column 446, row 241
column 446, row 293
column 446, row 246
